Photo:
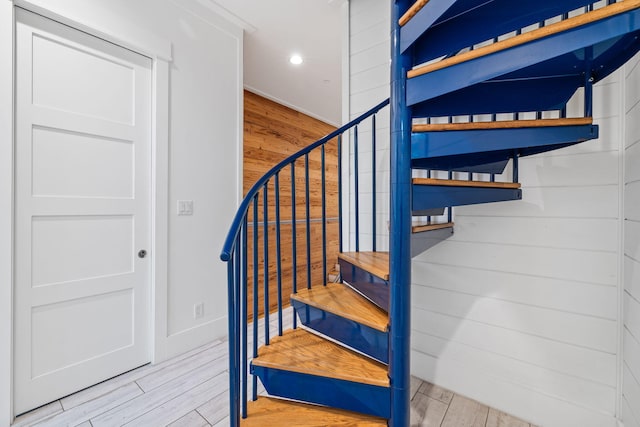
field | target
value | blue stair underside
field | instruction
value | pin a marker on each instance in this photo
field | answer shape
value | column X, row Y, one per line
column 435, row 30
column 558, row 62
column 489, row 150
column 429, row 196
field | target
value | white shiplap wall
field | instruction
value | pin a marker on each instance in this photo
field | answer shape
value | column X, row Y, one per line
column 519, row 308
column 368, row 86
column 631, row 296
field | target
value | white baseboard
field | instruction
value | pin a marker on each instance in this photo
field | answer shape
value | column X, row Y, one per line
column 189, row 339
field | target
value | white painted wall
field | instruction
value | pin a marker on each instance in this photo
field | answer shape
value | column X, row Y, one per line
column 631, row 295
column 519, row 308
column 6, row 212
column 204, row 111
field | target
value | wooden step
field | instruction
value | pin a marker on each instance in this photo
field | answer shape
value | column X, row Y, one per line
column 461, row 183
column 430, row 226
column 303, row 352
column 376, row 263
column 504, row 124
column 540, row 33
column 413, row 11
column 343, row 301
column 267, row 411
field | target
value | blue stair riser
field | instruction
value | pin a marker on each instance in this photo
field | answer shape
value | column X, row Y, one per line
column 373, row 287
column 357, row 397
column 482, row 20
column 455, row 150
column 427, row 196
column 360, row 337
column 501, row 63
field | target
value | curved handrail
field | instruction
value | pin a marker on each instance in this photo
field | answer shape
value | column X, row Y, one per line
column 227, row 248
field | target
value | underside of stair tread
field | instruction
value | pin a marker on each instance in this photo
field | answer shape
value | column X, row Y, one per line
column 482, row 20
column 429, row 226
column 303, row 352
column 376, row 263
column 277, row 412
column 461, row 183
column 339, row 299
column 556, row 28
column 505, row 124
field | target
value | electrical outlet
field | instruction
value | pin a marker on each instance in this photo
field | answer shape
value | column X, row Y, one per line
column 198, row 310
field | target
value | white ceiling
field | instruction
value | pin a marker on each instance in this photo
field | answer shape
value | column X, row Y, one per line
column 276, row 29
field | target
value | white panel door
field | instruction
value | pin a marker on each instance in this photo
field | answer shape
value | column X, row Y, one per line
column 82, row 290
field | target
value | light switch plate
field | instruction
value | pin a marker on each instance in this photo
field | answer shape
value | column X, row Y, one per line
column 185, row 207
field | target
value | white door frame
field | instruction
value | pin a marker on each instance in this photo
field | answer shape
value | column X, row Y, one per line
column 159, row 51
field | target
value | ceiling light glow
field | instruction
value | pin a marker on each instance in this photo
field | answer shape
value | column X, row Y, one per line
column 295, row 59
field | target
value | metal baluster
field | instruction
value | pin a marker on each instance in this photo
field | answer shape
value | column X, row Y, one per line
column 450, row 208
column 306, row 189
column 255, row 292
column 265, row 255
column 515, row 166
column 373, row 179
column 245, row 316
column 233, row 367
column 294, row 251
column 356, row 187
column 340, row 192
column 428, row 176
column 324, row 219
column 236, row 321
column 278, row 254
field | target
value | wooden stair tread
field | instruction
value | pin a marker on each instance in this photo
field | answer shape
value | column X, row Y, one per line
column 268, row 411
column 339, row 299
column 412, row 11
column 505, row 124
column 460, row 183
column 540, row 33
column 420, row 228
column 303, row 352
column 376, row 263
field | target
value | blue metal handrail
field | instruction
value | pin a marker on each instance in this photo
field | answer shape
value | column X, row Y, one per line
column 236, row 244
column 230, row 240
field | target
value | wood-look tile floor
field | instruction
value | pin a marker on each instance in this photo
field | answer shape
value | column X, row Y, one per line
column 191, row 390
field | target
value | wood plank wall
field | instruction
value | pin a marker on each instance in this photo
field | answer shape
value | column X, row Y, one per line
column 273, row 132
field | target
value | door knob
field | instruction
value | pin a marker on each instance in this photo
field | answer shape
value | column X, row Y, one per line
column 142, row 253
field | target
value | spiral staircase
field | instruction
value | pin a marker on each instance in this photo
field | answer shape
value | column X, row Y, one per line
column 475, row 85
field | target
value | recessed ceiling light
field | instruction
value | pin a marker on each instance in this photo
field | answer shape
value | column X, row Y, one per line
column 295, row 59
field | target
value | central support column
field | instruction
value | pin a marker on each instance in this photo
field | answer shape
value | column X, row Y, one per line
column 400, row 228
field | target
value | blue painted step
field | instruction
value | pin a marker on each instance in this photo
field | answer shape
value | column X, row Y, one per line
column 302, row 366
column 341, row 313
column 430, row 193
column 486, row 147
column 594, row 44
column 368, row 273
